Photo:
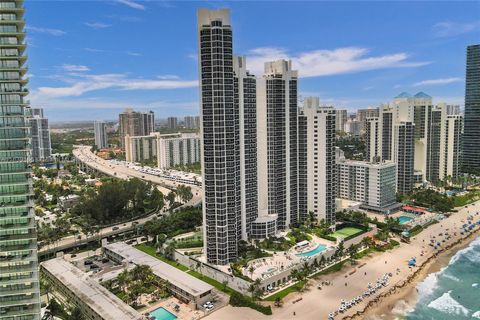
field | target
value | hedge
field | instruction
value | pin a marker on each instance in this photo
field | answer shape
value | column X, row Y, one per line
column 239, row 300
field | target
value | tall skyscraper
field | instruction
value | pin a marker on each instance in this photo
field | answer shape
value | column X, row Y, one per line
column 341, row 120
column 172, row 122
column 100, row 134
column 245, row 98
column 471, row 134
column 19, row 285
column 191, row 122
column 40, row 131
column 317, row 130
column 404, row 156
column 277, row 114
column 372, row 139
column 444, row 147
column 134, row 123
column 220, row 138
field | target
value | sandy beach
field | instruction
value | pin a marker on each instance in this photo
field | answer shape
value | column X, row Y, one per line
column 317, row 304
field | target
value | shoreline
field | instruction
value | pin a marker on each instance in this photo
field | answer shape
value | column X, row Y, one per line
column 385, row 303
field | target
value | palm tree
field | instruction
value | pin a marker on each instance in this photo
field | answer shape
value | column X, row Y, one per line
column 251, row 270
column 278, row 302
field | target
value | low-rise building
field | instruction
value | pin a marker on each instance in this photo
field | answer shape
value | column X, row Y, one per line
column 69, row 201
column 169, row 150
column 182, row 285
column 373, row 184
column 75, row 288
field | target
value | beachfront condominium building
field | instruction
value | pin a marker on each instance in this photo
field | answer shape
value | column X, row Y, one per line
column 404, row 159
column 100, row 133
column 373, row 184
column 135, row 123
column 317, row 172
column 341, row 120
column 172, row 123
column 444, row 147
column 220, row 134
column 254, row 225
column 277, row 116
column 191, row 122
column 167, row 150
column 471, row 134
column 19, row 285
column 40, row 132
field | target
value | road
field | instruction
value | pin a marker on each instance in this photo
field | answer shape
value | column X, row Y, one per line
column 84, row 155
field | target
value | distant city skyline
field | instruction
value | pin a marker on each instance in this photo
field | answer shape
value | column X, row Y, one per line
column 93, row 73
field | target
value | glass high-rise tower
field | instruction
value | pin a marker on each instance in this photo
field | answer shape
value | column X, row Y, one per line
column 19, row 286
column 471, row 134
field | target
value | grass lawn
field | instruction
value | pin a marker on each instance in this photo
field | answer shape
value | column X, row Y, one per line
column 285, row 292
column 211, row 282
column 151, row 251
column 346, row 232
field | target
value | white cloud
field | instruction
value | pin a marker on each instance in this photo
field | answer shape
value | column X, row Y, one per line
column 78, row 84
column 450, row 29
column 97, row 25
column 433, row 82
column 319, row 63
column 168, row 77
column 75, row 68
column 53, row 32
column 134, row 54
column 132, row 4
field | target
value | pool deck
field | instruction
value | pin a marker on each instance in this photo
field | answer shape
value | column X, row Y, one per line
column 283, row 260
column 185, row 311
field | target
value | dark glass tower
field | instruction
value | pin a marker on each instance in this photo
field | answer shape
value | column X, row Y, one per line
column 220, row 138
column 471, row 134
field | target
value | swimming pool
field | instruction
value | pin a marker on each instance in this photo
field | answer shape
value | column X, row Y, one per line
column 404, row 219
column 313, row 252
column 162, row 314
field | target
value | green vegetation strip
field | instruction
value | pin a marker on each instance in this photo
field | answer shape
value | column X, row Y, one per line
column 285, row 292
column 151, row 251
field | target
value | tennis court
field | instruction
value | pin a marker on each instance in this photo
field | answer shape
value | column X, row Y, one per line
column 346, row 232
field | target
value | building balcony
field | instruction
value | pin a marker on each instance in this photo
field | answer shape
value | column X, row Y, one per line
column 22, row 81
column 18, row 22
column 29, row 299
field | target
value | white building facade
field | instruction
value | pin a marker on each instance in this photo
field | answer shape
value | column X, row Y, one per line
column 100, row 133
column 317, row 130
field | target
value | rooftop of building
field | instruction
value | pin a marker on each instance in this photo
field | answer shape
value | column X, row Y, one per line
column 98, row 298
column 384, row 164
column 178, row 278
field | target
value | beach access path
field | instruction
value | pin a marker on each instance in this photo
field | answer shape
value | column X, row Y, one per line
column 317, row 304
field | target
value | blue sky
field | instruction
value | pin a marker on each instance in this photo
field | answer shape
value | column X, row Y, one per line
column 90, row 59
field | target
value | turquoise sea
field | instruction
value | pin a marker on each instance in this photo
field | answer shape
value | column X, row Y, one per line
column 453, row 293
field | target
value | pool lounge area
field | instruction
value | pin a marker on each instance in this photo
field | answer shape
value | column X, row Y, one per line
column 404, row 219
column 162, row 314
column 320, row 248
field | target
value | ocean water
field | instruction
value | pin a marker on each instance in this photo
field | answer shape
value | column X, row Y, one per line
column 453, row 293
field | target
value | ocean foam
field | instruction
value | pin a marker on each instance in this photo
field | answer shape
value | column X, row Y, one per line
column 469, row 252
column 449, row 276
column 476, row 315
column 402, row 308
column 429, row 284
column 449, row 305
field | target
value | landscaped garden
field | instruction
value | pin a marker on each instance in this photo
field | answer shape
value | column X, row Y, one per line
column 139, row 286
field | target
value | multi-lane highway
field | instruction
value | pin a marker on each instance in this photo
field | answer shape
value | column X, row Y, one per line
column 84, row 155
